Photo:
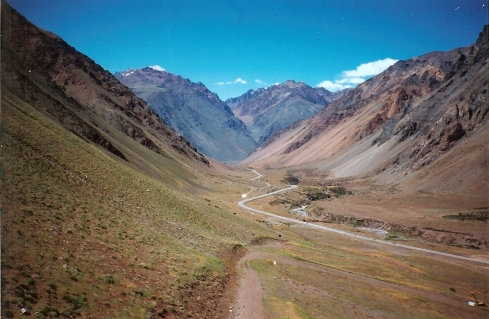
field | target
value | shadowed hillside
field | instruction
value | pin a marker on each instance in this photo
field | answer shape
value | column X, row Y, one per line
column 193, row 111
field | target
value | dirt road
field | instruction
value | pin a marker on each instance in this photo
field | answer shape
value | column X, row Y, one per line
column 345, row 233
column 249, row 299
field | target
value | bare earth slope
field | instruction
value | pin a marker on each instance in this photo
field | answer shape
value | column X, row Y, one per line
column 398, row 122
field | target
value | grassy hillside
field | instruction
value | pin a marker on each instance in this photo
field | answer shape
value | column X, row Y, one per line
column 83, row 233
column 101, row 214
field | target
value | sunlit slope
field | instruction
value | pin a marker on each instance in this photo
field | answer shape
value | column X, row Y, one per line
column 396, row 123
column 83, row 232
column 100, row 209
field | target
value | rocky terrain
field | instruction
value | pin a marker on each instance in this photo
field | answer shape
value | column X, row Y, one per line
column 269, row 110
column 398, row 122
column 193, row 111
column 412, row 144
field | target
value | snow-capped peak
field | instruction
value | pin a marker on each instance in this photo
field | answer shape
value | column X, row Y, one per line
column 157, row 68
column 128, row 72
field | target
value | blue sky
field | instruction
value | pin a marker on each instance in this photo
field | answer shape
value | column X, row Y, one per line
column 233, row 46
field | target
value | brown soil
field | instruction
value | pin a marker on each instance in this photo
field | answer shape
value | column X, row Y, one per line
column 248, row 303
column 410, row 211
column 209, row 299
column 249, row 292
column 249, row 298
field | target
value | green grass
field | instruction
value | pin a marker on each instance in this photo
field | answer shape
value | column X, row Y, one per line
column 101, row 230
column 324, row 273
column 295, row 290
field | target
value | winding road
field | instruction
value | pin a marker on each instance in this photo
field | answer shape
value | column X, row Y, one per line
column 243, row 202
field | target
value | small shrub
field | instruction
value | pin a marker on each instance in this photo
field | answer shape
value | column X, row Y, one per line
column 77, row 275
column 358, row 223
column 394, row 236
column 27, row 212
column 27, row 291
column 48, row 311
column 76, row 301
column 338, row 190
column 143, row 293
column 290, row 179
column 109, row 279
column 52, row 289
column 314, row 194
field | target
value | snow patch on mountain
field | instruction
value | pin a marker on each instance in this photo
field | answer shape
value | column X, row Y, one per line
column 157, row 68
column 128, row 72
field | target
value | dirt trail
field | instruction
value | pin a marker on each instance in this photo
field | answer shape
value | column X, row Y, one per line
column 250, row 296
column 248, row 302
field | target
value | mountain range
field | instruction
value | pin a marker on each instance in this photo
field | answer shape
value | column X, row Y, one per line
column 418, row 113
column 241, row 124
column 193, row 111
column 267, row 111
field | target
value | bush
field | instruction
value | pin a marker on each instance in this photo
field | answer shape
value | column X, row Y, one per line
column 316, row 194
column 76, row 302
column 338, row 191
column 109, row 279
column 292, row 180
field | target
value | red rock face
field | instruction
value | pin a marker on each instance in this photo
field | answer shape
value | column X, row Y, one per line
column 423, row 106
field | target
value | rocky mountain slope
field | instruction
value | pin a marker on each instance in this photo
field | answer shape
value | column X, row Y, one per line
column 269, row 110
column 193, row 111
column 62, row 82
column 402, row 120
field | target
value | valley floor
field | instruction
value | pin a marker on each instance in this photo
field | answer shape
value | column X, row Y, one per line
column 85, row 234
column 310, row 273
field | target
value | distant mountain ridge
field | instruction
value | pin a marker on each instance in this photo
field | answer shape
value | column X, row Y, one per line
column 193, row 111
column 267, row 111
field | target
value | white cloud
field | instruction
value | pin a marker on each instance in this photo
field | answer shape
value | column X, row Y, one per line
column 370, row 68
column 240, row 81
column 157, row 68
column 237, row 81
column 258, row 81
column 362, row 72
column 350, row 80
column 333, row 86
